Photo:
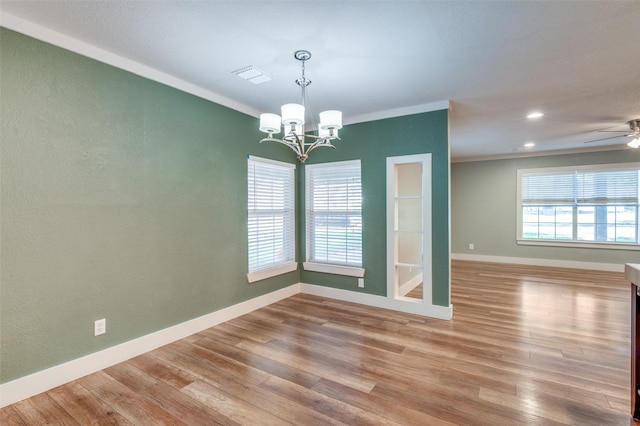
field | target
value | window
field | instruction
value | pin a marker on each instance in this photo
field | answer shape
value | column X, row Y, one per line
column 585, row 205
column 271, row 220
column 334, row 217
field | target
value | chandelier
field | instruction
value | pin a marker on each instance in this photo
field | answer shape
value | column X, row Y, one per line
column 293, row 121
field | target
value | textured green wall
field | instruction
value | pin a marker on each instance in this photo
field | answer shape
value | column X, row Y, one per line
column 372, row 142
column 484, row 207
column 121, row 198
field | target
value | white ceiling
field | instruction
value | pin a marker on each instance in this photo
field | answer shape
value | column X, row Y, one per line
column 576, row 61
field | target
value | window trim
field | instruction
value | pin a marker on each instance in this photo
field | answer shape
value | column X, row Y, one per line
column 330, row 268
column 606, row 245
column 281, row 268
column 263, row 274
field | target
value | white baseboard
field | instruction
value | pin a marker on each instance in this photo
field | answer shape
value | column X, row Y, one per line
column 410, row 285
column 411, row 306
column 41, row 381
column 610, row 267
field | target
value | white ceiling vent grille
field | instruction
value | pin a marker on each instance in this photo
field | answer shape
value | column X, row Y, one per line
column 252, row 74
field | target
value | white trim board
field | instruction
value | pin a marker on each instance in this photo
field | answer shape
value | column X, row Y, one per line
column 399, row 112
column 610, row 267
column 42, row 381
column 410, row 285
column 58, row 39
column 417, row 306
column 83, row 48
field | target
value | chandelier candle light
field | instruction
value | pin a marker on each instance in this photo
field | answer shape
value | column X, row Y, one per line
column 293, row 120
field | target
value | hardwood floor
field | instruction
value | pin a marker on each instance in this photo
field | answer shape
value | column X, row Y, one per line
column 526, row 346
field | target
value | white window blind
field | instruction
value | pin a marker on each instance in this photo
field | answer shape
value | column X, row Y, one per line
column 271, row 214
column 583, row 204
column 548, row 188
column 334, row 213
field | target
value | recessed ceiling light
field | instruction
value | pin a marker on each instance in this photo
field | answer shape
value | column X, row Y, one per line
column 529, row 145
column 534, row 115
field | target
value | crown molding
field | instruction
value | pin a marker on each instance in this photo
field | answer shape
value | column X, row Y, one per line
column 58, row 39
column 529, row 154
column 399, row 112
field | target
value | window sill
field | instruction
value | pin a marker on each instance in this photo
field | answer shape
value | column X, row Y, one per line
column 575, row 244
column 333, row 269
column 271, row 272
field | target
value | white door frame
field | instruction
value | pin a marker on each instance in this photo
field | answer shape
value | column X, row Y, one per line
column 392, row 186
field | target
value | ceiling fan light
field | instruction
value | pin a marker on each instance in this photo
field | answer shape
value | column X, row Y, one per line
column 292, row 114
column 331, row 119
column 635, row 143
column 270, row 123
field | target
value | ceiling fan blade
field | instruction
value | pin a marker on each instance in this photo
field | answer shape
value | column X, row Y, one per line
column 612, row 137
column 612, row 131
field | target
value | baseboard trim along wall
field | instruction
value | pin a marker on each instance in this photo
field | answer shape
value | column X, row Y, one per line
column 610, row 267
column 410, row 285
column 417, row 308
column 42, row 381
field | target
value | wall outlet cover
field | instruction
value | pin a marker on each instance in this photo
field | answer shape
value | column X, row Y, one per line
column 99, row 327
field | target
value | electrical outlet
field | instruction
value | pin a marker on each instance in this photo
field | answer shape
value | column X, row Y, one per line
column 361, row 282
column 471, row 246
column 99, row 327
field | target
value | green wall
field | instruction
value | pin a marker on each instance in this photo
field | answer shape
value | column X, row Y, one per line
column 121, row 198
column 372, row 142
column 484, row 207
column 125, row 199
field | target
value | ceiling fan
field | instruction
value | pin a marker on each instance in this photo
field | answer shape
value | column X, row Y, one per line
column 633, row 132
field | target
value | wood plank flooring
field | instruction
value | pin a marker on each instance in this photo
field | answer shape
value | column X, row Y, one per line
column 526, row 346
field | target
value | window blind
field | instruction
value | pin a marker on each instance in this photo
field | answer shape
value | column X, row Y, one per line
column 271, row 213
column 334, row 213
column 548, row 188
column 588, row 186
column 583, row 204
column 608, row 187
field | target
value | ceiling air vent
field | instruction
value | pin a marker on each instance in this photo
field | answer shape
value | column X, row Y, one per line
column 252, row 74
